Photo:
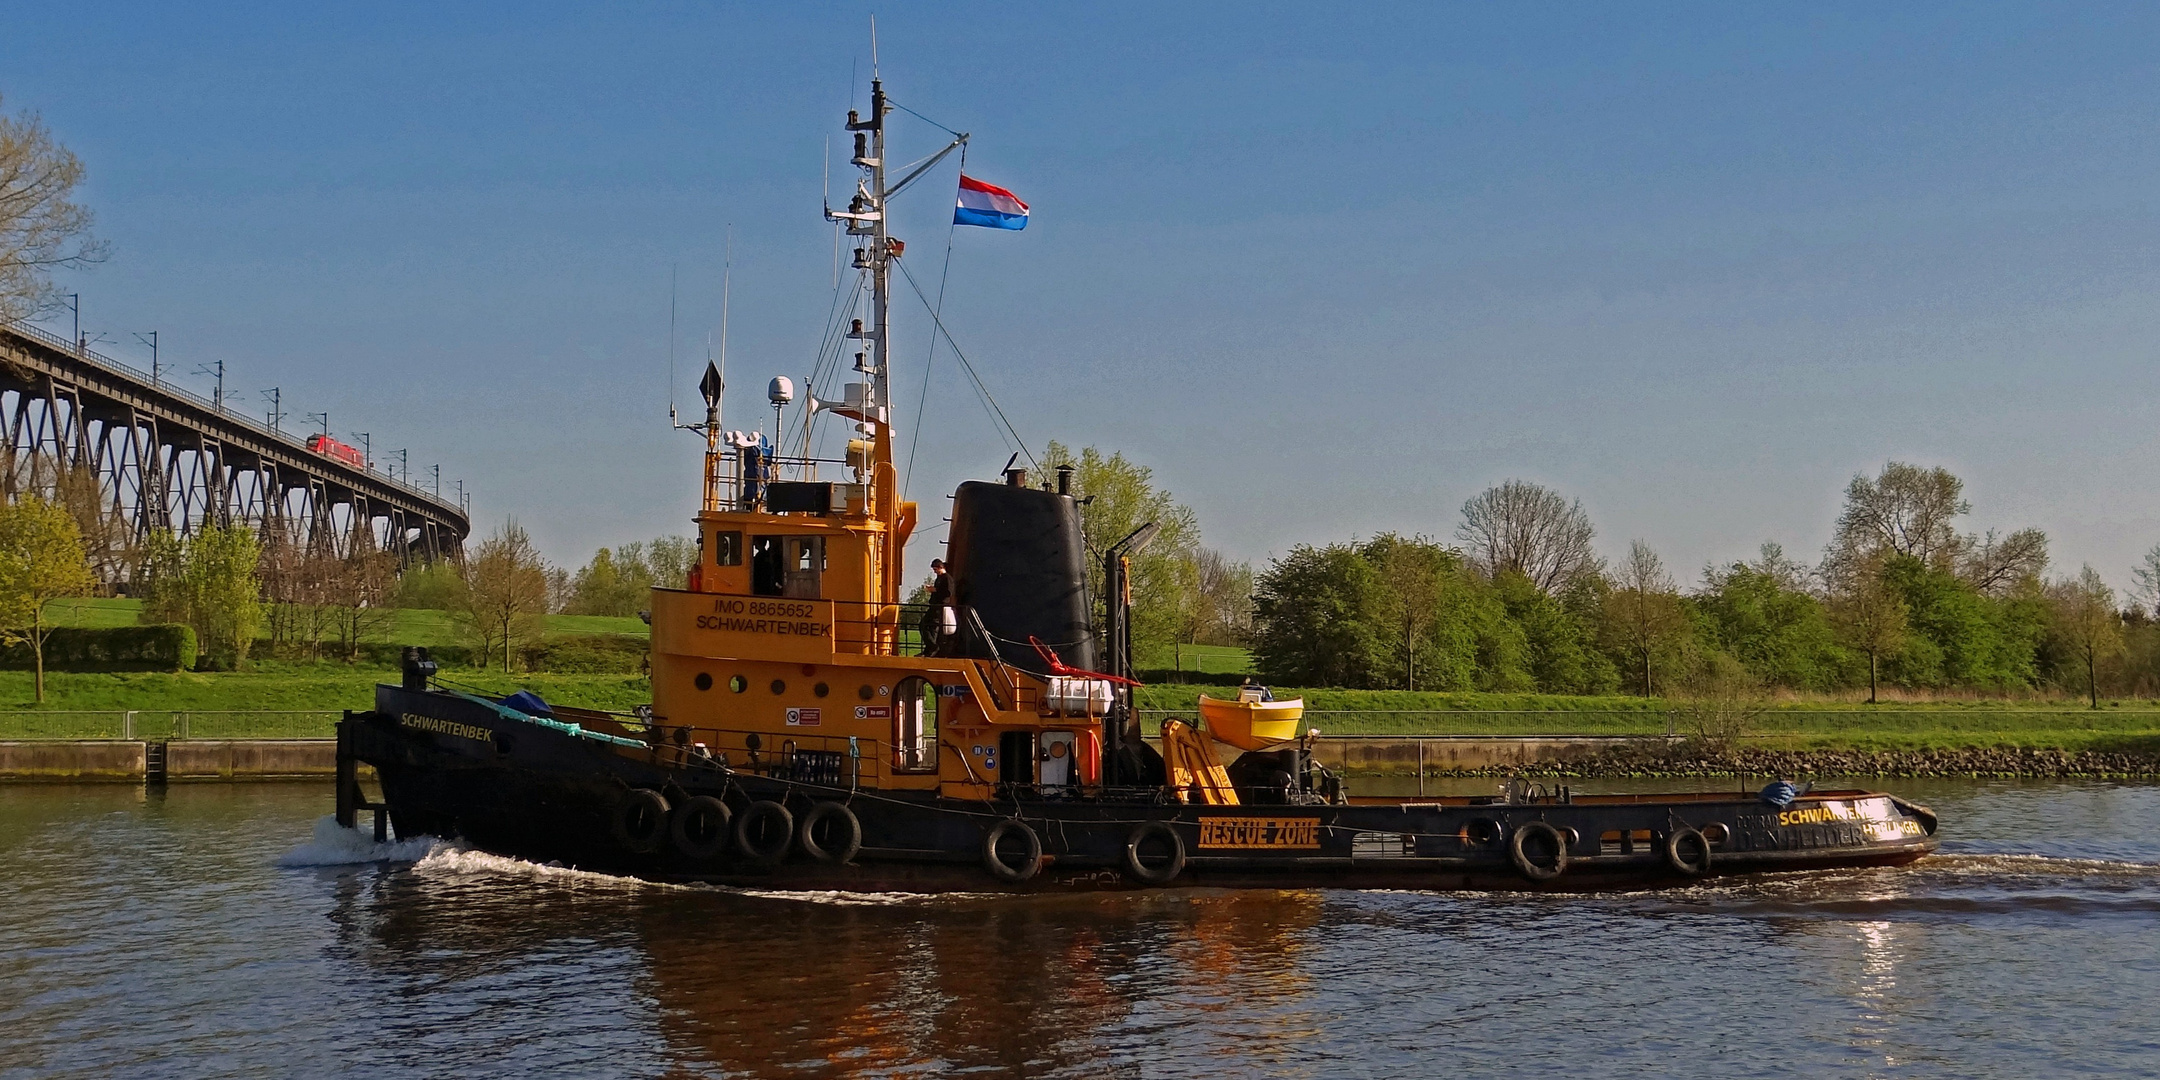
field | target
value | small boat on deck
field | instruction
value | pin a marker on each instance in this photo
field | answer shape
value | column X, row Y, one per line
column 1252, row 724
column 810, row 730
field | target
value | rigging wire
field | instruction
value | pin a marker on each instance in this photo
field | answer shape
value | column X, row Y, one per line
column 961, row 356
column 921, row 117
column 915, row 433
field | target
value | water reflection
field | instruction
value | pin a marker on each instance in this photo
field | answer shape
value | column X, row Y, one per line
column 2025, row 948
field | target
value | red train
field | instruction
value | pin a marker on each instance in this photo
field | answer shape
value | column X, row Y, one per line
column 329, row 447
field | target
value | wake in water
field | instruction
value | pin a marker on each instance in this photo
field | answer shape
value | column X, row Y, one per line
column 335, row 845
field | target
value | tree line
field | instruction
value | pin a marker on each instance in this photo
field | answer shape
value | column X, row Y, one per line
column 1519, row 601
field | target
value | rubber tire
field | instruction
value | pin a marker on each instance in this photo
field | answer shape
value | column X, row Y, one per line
column 1158, row 875
column 747, row 821
column 1679, row 862
column 850, row 839
column 719, row 833
column 999, row 868
column 1524, row 864
column 641, row 820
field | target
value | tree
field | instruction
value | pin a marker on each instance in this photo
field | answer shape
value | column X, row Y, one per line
column 1996, row 567
column 208, row 582
column 1867, row 614
column 1907, row 510
column 1223, row 600
column 1762, row 614
column 1311, row 618
column 1119, row 496
column 41, row 228
column 1521, row 527
column 359, row 596
column 2083, row 614
column 1411, row 573
column 2147, row 575
column 41, row 560
column 505, row 594
column 1642, row 615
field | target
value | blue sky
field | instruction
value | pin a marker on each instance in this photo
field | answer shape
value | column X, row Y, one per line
column 1328, row 269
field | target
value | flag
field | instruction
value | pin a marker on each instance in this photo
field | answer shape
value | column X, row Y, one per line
column 989, row 206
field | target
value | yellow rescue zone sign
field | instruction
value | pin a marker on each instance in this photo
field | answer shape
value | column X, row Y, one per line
column 1259, row 832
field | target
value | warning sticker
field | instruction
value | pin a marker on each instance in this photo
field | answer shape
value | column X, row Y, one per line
column 803, row 717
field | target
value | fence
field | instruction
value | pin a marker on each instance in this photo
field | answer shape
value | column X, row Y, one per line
column 159, row 725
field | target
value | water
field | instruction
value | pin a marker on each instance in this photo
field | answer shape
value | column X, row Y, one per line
column 217, row 931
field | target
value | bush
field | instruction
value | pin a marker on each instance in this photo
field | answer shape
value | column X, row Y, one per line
column 586, row 654
column 161, row 647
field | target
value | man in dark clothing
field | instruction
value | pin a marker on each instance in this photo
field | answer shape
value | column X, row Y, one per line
column 933, row 619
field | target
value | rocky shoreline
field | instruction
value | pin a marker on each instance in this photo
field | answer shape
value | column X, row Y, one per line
column 1967, row 762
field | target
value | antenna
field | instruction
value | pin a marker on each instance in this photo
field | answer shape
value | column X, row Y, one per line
column 873, row 47
column 727, row 282
column 672, row 267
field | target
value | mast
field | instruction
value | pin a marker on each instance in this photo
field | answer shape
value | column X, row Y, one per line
column 866, row 219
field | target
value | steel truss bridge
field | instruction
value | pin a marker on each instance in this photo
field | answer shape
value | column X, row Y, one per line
column 164, row 458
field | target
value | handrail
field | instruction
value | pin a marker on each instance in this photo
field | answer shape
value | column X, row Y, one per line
column 164, row 386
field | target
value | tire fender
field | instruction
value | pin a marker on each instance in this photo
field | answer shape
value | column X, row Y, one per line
column 764, row 832
column 1687, row 852
column 846, row 833
column 1003, row 870
column 640, row 822
column 1528, row 866
column 1138, row 869
column 701, row 828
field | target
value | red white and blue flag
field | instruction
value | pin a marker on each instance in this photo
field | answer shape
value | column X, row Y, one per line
column 989, row 206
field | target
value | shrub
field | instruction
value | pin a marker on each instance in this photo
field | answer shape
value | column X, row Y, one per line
column 160, row 647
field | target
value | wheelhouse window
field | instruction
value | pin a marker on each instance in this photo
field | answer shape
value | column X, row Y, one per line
column 727, row 548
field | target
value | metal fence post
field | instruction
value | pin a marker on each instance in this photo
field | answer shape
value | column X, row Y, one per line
column 180, row 725
column 127, row 724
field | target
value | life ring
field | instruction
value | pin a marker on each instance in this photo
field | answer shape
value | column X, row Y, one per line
column 1529, row 866
column 700, row 828
column 764, row 831
column 840, row 829
column 1137, row 867
column 1688, row 852
column 641, row 820
column 998, row 867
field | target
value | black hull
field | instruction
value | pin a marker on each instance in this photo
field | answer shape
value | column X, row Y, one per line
column 534, row 793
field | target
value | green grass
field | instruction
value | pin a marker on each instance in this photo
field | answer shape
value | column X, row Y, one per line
column 412, row 626
column 2122, row 726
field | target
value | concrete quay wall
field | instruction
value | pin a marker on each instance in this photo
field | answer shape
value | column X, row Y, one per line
column 86, row 761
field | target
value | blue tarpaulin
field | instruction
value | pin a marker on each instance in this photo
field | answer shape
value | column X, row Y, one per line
column 529, row 703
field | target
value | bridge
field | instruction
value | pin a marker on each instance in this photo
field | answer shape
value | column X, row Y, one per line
column 164, row 458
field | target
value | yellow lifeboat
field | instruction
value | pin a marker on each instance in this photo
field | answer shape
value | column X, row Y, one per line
column 1252, row 725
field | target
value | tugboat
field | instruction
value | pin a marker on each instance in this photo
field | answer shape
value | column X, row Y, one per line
column 809, row 730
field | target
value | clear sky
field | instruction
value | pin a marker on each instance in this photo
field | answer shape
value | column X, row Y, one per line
column 1328, row 269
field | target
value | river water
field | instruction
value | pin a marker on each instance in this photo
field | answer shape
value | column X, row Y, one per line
column 224, row 930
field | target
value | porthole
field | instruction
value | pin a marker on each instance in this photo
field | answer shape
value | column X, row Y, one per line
column 738, row 684
column 703, row 680
column 821, row 689
column 866, row 693
column 779, row 686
